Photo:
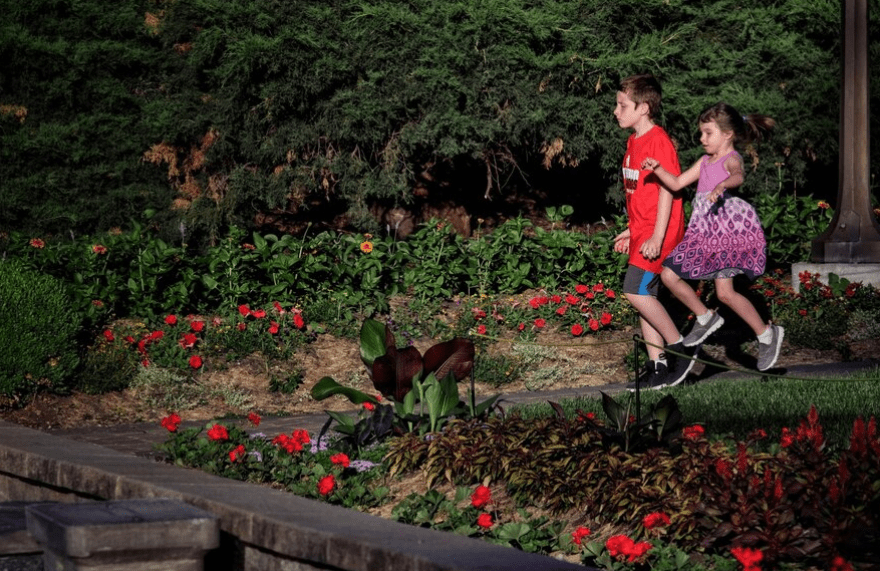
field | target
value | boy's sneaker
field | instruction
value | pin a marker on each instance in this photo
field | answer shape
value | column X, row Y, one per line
column 768, row 353
column 654, row 377
column 680, row 364
column 700, row 333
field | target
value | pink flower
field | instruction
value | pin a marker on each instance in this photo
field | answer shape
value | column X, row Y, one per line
column 254, row 418
column 579, row 534
column 195, row 362
column 171, row 422
column 171, row 320
column 326, row 484
column 481, row 496
column 218, row 432
column 485, row 521
column 577, row 329
column 340, row 459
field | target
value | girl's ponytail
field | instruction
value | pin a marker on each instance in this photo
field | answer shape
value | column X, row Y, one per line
column 746, row 128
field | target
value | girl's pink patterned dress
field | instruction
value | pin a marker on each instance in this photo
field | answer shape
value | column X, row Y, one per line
column 720, row 245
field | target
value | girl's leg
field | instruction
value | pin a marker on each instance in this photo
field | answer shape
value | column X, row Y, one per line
column 683, row 291
column 740, row 304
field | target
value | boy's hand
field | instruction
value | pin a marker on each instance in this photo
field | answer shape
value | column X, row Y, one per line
column 650, row 164
column 651, row 248
column 621, row 242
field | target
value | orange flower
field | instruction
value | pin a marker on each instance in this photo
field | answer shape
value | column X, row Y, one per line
column 99, row 249
column 37, row 243
column 823, row 205
column 366, row 247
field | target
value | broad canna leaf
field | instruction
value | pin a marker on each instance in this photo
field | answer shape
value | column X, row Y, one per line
column 328, row 387
column 455, row 357
column 375, row 340
column 393, row 372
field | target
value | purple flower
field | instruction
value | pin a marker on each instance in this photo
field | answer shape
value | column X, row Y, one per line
column 362, row 465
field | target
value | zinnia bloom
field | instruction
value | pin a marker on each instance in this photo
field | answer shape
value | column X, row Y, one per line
column 171, row 422
column 366, row 247
column 656, row 519
column 241, row 326
column 539, row 323
column 273, row 328
column 37, row 243
column 244, row 310
column 581, row 289
column 298, row 321
column 340, row 459
column 577, row 329
column 99, row 249
column 326, row 484
column 218, row 432
column 481, row 329
column 823, row 205
column 481, row 496
column 188, row 340
column 578, row 535
column 195, row 361
column 198, row 326
column 606, row 318
column 485, row 521
column 259, row 313
column 171, row 320
column 108, row 335
column 594, row 325
column 254, row 418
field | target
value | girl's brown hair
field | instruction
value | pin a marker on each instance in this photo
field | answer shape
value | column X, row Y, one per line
column 746, row 128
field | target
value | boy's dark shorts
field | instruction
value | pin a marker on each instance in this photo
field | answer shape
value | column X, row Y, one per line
column 641, row 282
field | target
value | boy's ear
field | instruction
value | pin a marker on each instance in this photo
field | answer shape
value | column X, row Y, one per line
column 643, row 109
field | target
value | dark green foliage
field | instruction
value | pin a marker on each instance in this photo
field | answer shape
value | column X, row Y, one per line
column 309, row 109
column 38, row 331
column 104, row 369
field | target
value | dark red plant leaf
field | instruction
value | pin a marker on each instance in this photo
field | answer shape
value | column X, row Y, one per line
column 455, row 356
column 393, row 372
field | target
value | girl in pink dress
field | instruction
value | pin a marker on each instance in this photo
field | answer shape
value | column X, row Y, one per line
column 724, row 237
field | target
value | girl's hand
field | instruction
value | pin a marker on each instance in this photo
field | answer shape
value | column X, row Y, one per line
column 650, row 164
column 716, row 192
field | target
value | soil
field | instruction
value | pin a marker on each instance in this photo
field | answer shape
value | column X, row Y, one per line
column 555, row 361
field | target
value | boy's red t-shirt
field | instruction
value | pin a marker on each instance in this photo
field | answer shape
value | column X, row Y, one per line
column 642, row 190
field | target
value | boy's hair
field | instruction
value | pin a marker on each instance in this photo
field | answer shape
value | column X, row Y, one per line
column 746, row 128
column 643, row 88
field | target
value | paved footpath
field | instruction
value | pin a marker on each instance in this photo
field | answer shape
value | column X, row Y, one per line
column 140, row 438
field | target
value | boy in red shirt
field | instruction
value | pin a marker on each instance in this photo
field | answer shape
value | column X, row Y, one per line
column 656, row 226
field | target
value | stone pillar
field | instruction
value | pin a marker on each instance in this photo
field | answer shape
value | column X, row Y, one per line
column 124, row 535
column 850, row 247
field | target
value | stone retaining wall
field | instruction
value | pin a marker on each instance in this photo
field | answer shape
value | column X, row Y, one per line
column 262, row 529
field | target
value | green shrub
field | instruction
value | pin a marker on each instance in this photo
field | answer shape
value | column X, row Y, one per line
column 38, row 331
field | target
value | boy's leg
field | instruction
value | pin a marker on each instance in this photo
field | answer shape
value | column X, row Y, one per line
column 658, row 328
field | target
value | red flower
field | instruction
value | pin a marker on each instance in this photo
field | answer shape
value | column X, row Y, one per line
column 254, row 418
column 97, row 303
column 171, row 320
column 298, row 321
column 748, row 557
column 561, row 310
column 37, row 243
column 369, row 406
column 802, row 312
column 171, row 422
column 195, row 361
column 656, row 519
column 622, row 547
column 108, row 335
column 599, row 287
column 247, row 246
column 485, row 521
column 571, row 300
column 198, row 326
column 366, row 247
column 259, row 313
column 840, row 564
column 273, row 328
column 539, row 323
column 481, row 329
column 241, row 326
column 218, row 432
column 581, row 289
column 99, row 249
column 293, row 443
column 556, row 299
column 577, row 329
column 326, row 484
column 478, row 313
column 823, row 205
column 594, row 325
column 787, row 438
column 693, row 432
column 609, row 293
column 481, row 496
column 188, row 340
column 244, row 310
column 606, row 318
column 578, row 535
column 340, row 459
column 521, row 326
column 237, row 453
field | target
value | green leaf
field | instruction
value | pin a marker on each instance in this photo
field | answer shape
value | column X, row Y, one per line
column 374, row 338
column 328, row 387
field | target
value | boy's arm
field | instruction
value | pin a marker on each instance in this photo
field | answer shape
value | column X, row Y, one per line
column 650, row 249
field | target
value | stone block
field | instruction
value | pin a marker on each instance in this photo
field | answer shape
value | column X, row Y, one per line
column 123, row 535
